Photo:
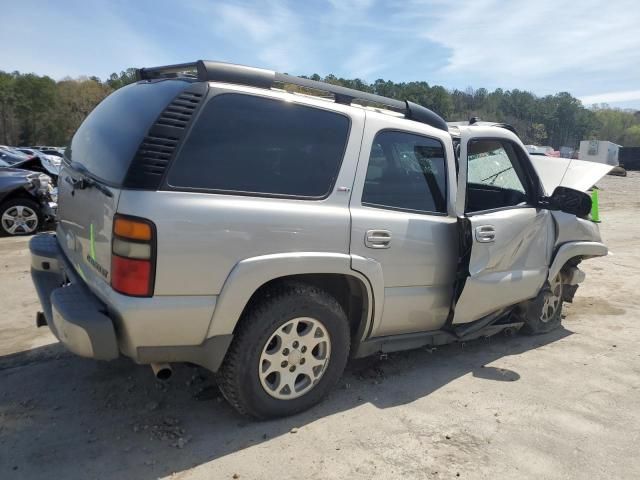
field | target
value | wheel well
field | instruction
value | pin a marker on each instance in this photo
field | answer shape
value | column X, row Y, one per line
column 349, row 291
column 17, row 193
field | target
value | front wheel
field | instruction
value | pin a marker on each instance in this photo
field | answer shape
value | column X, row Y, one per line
column 290, row 349
column 544, row 313
column 20, row 216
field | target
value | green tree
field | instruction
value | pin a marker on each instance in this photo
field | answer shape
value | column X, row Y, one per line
column 613, row 123
column 34, row 105
column 126, row 77
column 537, row 134
column 75, row 100
column 631, row 136
column 439, row 101
column 36, row 109
column 8, row 125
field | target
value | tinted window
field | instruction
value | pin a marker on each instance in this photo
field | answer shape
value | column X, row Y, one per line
column 495, row 178
column 107, row 140
column 243, row 143
column 407, row 172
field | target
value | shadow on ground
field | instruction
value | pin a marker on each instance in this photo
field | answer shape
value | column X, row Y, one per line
column 56, row 408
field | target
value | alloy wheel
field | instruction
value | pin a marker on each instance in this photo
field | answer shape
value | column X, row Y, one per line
column 19, row 219
column 552, row 299
column 294, row 358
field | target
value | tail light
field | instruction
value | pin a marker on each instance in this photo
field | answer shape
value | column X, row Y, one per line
column 133, row 256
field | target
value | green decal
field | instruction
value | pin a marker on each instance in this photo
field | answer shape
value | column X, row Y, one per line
column 595, row 208
column 92, row 245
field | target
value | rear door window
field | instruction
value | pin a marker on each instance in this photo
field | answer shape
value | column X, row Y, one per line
column 254, row 145
column 406, row 172
column 108, row 139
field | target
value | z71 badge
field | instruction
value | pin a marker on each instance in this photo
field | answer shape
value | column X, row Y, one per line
column 103, row 271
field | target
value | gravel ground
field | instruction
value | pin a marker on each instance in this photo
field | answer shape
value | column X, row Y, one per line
column 561, row 405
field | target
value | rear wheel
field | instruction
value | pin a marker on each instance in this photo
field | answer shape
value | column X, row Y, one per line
column 20, row 216
column 290, row 349
column 544, row 313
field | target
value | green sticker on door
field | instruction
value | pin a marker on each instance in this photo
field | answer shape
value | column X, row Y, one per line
column 92, row 245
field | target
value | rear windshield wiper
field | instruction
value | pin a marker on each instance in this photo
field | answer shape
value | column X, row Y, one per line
column 86, row 181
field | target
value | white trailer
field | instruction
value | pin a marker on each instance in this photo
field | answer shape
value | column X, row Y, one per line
column 599, row 151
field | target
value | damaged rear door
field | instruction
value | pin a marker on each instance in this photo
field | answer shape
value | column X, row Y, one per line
column 509, row 236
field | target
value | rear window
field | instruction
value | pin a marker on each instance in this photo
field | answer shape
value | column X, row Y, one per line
column 255, row 145
column 108, row 139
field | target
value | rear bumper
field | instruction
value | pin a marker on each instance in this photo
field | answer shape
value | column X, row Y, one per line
column 157, row 329
column 74, row 314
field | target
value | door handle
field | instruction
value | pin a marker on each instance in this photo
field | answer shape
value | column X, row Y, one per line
column 377, row 239
column 485, row 233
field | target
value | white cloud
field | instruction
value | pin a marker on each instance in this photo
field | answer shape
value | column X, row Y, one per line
column 95, row 41
column 351, row 5
column 545, row 45
column 271, row 31
column 528, row 43
column 611, row 97
column 365, row 60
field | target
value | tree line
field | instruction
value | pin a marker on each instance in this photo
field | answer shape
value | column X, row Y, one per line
column 37, row 110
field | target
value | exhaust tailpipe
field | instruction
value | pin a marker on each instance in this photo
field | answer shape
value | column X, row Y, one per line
column 162, row 371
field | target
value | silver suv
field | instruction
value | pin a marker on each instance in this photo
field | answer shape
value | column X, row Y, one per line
column 268, row 227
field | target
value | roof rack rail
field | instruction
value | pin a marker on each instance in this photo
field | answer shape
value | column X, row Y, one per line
column 476, row 121
column 209, row 71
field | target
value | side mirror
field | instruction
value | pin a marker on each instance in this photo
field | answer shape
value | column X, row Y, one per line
column 570, row 201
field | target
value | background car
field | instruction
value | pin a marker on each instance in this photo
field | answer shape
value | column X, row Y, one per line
column 11, row 155
column 27, row 201
column 50, row 162
column 17, row 159
column 55, row 151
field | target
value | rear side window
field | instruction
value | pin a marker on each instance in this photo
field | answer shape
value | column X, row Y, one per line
column 406, row 172
column 247, row 144
column 108, row 139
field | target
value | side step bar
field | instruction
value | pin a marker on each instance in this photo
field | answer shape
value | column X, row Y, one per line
column 467, row 329
column 410, row 341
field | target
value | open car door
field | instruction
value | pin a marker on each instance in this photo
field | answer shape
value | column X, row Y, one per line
column 508, row 236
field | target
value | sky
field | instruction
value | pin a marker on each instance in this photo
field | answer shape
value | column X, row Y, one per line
column 590, row 48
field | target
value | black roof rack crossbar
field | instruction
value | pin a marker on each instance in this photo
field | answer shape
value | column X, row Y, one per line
column 179, row 69
column 210, row 71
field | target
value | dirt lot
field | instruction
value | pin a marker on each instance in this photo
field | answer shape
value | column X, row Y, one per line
column 562, row 405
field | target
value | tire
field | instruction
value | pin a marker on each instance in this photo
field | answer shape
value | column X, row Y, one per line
column 23, row 210
column 544, row 313
column 277, row 335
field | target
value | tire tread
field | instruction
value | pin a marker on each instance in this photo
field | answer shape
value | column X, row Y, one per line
column 237, row 356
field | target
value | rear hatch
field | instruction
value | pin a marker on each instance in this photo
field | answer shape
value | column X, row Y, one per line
column 98, row 165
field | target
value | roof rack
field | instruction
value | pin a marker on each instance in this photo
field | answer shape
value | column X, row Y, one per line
column 209, row 71
column 476, row 121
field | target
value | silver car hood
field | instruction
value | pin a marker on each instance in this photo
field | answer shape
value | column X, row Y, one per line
column 566, row 172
